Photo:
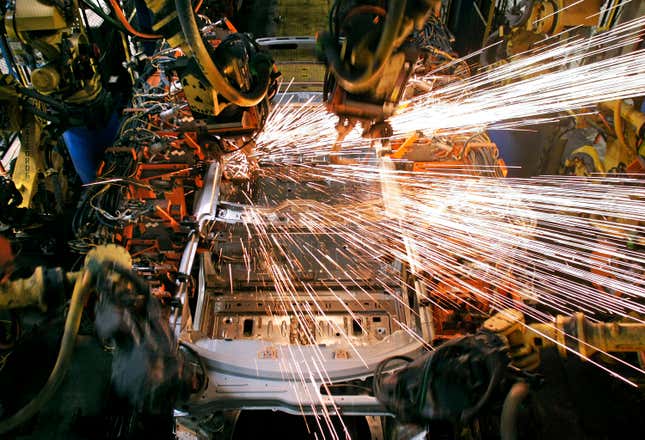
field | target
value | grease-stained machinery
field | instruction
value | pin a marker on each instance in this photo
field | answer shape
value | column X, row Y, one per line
column 186, row 258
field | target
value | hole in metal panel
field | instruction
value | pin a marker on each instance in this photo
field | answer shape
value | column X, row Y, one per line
column 356, row 328
column 248, row 327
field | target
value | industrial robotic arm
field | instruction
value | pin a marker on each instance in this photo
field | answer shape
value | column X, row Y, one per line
column 370, row 56
column 221, row 67
column 457, row 380
column 56, row 80
column 53, row 80
column 150, row 371
column 226, row 77
column 64, row 71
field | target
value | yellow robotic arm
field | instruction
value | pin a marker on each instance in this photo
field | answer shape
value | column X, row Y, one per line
column 574, row 333
column 211, row 87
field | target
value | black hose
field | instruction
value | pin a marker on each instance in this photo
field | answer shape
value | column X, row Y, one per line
column 510, row 410
column 378, row 372
column 492, row 52
column 207, row 66
column 361, row 82
column 519, row 19
column 496, row 377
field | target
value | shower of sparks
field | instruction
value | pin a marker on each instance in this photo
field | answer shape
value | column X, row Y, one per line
column 545, row 246
column 532, row 88
column 548, row 245
column 539, row 86
column 296, row 134
column 277, row 246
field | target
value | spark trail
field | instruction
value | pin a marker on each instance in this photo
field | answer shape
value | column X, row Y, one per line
column 546, row 246
column 532, row 88
column 539, row 86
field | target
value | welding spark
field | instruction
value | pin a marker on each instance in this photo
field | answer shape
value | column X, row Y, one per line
column 538, row 86
column 534, row 86
column 546, row 246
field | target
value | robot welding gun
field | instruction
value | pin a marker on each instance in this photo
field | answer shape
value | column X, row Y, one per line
column 369, row 56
